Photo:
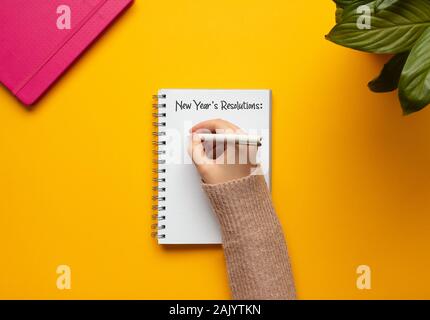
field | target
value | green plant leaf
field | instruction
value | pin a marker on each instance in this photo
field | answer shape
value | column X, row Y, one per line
column 383, row 4
column 346, row 3
column 342, row 3
column 346, row 7
column 414, row 85
column 395, row 26
column 389, row 78
column 339, row 14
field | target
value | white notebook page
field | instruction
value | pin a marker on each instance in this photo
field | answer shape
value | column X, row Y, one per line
column 189, row 217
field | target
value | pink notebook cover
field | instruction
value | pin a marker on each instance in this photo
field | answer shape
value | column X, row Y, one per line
column 34, row 52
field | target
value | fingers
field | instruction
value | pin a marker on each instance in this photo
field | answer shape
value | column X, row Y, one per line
column 216, row 125
column 231, row 153
column 222, row 153
column 246, row 154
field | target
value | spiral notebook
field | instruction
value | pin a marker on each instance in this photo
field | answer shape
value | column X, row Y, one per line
column 181, row 209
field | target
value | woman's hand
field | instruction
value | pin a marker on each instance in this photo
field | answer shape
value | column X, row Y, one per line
column 221, row 162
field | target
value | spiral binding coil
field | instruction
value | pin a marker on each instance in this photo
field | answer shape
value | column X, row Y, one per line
column 158, row 172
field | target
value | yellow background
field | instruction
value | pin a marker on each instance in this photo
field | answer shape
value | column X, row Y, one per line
column 351, row 177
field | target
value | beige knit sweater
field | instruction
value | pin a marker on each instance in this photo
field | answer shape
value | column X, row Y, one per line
column 254, row 245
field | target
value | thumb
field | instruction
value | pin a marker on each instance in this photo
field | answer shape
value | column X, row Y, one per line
column 197, row 151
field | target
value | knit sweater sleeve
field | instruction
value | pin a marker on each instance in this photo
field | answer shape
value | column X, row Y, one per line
column 254, row 245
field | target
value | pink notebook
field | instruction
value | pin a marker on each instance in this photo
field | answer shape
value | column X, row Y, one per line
column 39, row 39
